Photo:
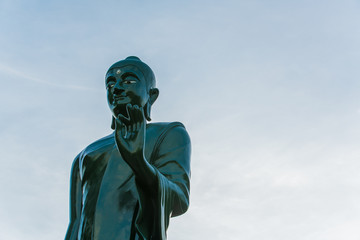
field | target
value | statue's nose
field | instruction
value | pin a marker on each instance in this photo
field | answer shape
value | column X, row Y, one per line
column 118, row 88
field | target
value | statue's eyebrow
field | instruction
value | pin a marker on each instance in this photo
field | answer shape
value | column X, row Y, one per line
column 131, row 74
column 110, row 78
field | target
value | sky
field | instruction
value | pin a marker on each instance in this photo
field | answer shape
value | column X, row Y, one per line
column 268, row 92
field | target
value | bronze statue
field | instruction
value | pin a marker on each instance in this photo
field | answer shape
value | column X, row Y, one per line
column 127, row 185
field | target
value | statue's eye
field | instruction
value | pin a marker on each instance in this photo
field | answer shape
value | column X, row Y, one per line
column 129, row 81
column 110, row 84
column 129, row 78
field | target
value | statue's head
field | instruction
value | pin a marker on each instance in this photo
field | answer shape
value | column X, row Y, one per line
column 130, row 81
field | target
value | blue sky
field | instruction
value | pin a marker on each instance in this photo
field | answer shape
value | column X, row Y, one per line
column 268, row 91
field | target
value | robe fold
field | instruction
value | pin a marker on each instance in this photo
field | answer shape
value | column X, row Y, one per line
column 107, row 202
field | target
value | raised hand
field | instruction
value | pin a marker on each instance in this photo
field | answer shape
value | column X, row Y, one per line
column 130, row 135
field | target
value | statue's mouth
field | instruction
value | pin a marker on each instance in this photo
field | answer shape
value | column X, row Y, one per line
column 119, row 98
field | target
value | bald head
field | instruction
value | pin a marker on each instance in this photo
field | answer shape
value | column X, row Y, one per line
column 130, row 81
column 141, row 66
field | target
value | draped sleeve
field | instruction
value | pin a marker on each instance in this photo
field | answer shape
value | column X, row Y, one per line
column 170, row 195
column 75, row 201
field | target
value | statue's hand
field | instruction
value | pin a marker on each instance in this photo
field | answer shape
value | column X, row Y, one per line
column 130, row 135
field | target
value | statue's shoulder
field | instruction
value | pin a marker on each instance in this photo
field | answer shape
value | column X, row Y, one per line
column 161, row 126
column 101, row 145
column 172, row 143
column 172, row 131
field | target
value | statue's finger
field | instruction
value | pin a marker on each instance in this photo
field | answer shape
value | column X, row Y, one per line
column 130, row 111
column 133, row 131
column 123, row 119
column 123, row 130
column 138, row 125
column 137, row 111
column 120, row 136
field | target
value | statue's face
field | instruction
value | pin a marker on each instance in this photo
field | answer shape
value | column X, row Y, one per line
column 125, row 85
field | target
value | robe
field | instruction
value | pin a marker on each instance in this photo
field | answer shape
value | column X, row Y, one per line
column 106, row 201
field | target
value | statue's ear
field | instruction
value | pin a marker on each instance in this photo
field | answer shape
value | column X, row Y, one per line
column 113, row 123
column 154, row 93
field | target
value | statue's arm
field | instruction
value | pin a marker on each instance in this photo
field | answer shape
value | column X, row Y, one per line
column 169, row 195
column 172, row 163
column 163, row 180
column 75, row 201
column 130, row 134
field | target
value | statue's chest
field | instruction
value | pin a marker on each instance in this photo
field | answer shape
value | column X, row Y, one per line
column 116, row 200
column 109, row 194
column 105, row 169
column 117, row 173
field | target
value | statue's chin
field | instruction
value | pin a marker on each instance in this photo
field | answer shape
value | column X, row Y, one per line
column 120, row 110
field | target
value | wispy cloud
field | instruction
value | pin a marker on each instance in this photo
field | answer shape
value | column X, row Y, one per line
column 14, row 72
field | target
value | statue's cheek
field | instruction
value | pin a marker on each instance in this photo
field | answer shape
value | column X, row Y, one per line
column 110, row 98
